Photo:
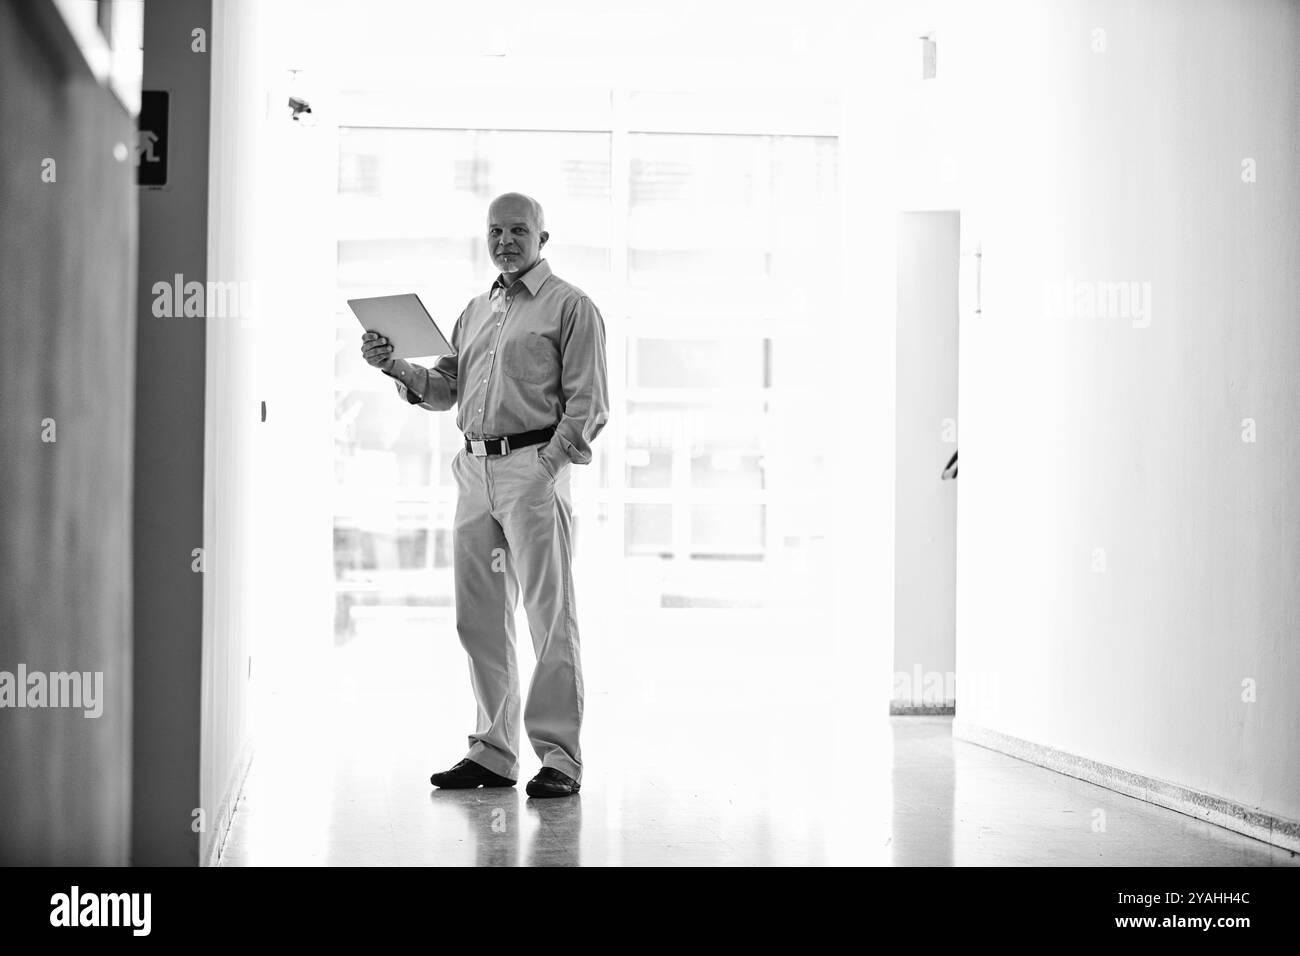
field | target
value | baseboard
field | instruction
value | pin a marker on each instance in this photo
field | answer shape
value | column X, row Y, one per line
column 226, row 811
column 1250, row 821
column 906, row 708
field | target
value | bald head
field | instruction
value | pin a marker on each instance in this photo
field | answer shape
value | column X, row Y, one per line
column 516, row 232
column 510, row 203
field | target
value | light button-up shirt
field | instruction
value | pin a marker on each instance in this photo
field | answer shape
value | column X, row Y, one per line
column 528, row 355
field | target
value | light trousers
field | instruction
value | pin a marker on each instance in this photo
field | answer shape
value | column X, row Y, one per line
column 513, row 536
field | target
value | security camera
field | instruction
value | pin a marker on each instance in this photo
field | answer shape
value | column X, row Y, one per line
column 298, row 106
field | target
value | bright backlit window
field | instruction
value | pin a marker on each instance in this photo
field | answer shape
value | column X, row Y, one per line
column 713, row 259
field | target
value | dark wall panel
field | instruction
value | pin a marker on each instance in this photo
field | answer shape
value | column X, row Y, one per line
column 67, row 314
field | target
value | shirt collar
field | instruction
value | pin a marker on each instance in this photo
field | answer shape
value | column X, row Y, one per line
column 532, row 277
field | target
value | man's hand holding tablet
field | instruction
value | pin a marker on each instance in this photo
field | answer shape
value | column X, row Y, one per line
column 378, row 351
column 397, row 327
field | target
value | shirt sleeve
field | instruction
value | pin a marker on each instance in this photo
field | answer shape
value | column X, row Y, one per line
column 584, row 382
column 434, row 388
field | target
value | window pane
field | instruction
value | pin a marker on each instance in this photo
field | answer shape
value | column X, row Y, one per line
column 733, row 274
column 698, row 363
column 727, row 531
column 649, row 530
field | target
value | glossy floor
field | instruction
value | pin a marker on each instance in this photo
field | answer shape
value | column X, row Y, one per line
column 709, row 740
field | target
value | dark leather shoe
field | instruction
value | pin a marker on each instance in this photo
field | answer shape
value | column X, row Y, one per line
column 467, row 775
column 551, row 783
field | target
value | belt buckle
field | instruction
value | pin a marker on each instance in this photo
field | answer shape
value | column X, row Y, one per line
column 478, row 446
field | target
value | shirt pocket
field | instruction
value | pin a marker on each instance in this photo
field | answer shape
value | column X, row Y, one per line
column 530, row 358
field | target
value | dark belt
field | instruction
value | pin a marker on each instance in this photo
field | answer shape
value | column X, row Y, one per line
column 482, row 447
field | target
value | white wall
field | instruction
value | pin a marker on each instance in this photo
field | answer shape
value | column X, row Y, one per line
column 925, row 506
column 268, row 584
column 233, row 413
column 1083, row 435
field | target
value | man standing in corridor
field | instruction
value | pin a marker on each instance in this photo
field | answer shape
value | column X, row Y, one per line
column 529, row 380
